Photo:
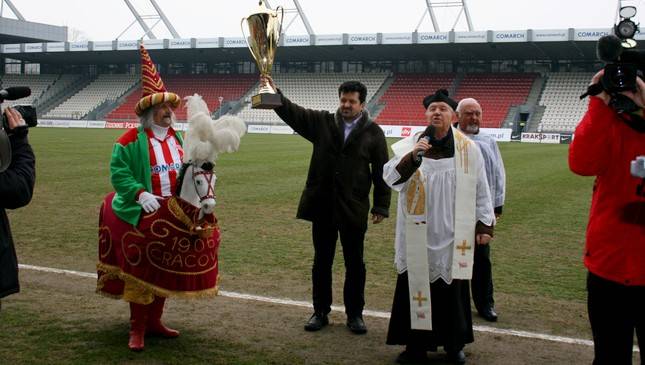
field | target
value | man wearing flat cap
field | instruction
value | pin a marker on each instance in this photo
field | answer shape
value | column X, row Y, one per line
column 444, row 209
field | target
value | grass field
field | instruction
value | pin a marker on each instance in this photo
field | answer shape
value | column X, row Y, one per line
column 538, row 271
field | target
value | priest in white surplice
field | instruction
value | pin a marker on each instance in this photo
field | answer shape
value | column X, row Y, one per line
column 444, row 209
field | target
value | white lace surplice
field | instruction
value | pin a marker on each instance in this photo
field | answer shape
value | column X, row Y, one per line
column 440, row 207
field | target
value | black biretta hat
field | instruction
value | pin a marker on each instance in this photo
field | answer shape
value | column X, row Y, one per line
column 439, row 95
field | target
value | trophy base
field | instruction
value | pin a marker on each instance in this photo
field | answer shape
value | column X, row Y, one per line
column 266, row 101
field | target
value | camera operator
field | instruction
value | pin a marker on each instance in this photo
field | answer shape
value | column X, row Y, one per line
column 16, row 188
column 606, row 141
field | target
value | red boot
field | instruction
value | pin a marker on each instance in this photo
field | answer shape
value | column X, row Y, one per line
column 155, row 327
column 138, row 319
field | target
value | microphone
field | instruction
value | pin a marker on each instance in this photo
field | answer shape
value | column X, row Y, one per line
column 421, row 153
column 14, row 93
column 428, row 133
column 609, row 48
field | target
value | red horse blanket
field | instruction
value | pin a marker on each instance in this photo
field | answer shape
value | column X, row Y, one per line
column 170, row 253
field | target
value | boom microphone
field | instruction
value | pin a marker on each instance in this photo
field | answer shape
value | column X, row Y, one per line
column 14, row 93
column 609, row 48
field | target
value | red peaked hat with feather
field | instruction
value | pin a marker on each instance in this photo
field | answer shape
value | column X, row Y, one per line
column 154, row 91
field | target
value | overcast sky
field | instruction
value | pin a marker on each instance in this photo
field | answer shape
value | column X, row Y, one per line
column 107, row 19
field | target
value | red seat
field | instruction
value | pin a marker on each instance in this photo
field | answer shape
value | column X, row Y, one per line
column 210, row 87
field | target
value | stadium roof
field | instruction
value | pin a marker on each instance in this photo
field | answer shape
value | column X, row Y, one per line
column 21, row 31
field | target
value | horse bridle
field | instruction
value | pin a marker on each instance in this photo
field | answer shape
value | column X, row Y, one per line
column 208, row 175
column 207, row 172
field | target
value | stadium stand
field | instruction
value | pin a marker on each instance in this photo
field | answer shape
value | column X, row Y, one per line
column 399, row 103
column 59, row 86
column 314, row 91
column 403, row 99
column 496, row 92
column 564, row 109
column 210, row 87
column 104, row 88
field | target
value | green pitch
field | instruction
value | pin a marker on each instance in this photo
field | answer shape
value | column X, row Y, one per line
column 537, row 252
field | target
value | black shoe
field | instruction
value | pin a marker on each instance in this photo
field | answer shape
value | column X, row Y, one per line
column 412, row 357
column 356, row 325
column 489, row 314
column 317, row 322
column 457, row 357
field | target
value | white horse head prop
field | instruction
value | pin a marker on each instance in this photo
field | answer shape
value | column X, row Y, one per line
column 205, row 140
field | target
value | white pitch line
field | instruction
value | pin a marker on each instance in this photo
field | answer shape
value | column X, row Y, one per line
column 369, row 313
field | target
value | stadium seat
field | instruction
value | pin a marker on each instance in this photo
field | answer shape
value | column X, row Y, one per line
column 563, row 107
column 210, row 87
column 313, row 91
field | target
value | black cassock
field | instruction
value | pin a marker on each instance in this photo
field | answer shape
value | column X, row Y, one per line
column 452, row 324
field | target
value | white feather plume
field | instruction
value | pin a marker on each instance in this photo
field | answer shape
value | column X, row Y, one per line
column 206, row 138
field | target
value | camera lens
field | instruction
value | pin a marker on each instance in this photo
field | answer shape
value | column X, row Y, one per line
column 626, row 29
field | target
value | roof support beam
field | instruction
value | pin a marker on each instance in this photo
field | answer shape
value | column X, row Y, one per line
column 15, row 10
column 299, row 14
column 140, row 20
column 158, row 17
column 431, row 5
column 165, row 19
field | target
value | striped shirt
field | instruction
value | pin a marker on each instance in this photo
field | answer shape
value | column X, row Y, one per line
column 165, row 162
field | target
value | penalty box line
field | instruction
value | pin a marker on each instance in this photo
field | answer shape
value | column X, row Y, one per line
column 335, row 308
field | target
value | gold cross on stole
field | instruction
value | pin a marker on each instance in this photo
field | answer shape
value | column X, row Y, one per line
column 419, row 298
column 464, row 246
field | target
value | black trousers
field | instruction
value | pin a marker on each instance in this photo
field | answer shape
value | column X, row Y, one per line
column 325, row 234
column 482, row 281
column 615, row 311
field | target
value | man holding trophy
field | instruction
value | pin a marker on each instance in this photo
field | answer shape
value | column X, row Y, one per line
column 349, row 151
column 348, row 157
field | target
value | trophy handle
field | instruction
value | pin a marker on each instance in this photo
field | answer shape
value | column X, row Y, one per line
column 246, row 39
column 281, row 19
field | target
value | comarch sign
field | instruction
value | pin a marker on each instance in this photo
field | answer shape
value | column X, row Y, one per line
column 127, row 45
column 429, row 38
column 589, row 34
column 296, row 40
column 361, row 39
column 180, row 43
column 234, row 42
column 79, row 46
column 509, row 36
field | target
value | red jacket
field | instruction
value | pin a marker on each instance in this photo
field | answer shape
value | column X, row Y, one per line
column 604, row 146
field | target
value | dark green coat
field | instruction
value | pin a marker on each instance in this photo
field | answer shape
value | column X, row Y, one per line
column 341, row 174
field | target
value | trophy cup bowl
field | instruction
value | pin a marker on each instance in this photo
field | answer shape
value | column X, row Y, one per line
column 264, row 34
